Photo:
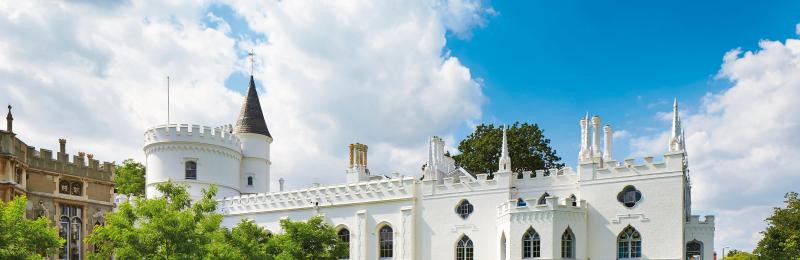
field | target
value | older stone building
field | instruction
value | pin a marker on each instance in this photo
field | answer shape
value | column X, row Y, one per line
column 74, row 194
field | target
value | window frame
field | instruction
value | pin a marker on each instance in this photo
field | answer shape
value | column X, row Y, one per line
column 186, row 170
column 465, row 248
column 385, row 242
column 531, row 244
column 568, row 244
column 464, row 209
column 629, row 243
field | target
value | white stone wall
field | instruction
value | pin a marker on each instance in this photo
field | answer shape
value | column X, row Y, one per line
column 217, row 154
column 255, row 162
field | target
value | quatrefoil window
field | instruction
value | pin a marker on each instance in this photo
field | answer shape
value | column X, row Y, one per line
column 629, row 196
column 464, row 208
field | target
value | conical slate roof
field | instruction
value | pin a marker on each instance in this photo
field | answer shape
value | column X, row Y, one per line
column 251, row 119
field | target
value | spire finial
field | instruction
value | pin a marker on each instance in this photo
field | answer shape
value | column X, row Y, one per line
column 9, row 119
column 505, row 159
column 676, row 135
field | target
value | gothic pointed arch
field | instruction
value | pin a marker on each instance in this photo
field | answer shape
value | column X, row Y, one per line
column 531, row 244
column 465, row 248
column 543, row 199
column 568, row 244
column 629, row 244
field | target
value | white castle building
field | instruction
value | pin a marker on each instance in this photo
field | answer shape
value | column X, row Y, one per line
column 601, row 209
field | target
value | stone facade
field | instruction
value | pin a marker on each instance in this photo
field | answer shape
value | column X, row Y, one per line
column 74, row 195
column 599, row 209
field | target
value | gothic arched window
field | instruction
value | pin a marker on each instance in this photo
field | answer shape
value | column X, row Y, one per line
column 531, row 244
column 344, row 239
column 568, row 244
column 464, row 249
column 464, row 209
column 543, row 199
column 385, row 242
column 629, row 244
column 249, row 180
column 694, row 250
column 191, row 170
column 574, row 200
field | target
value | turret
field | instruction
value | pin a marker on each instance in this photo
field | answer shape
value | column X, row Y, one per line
column 251, row 129
column 585, row 153
column 596, row 137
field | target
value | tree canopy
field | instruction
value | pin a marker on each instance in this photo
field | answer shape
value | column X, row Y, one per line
column 782, row 238
column 23, row 238
column 167, row 227
column 174, row 227
column 129, row 178
column 739, row 255
column 527, row 146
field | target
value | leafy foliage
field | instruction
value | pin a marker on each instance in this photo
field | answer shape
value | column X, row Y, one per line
column 782, row 238
column 174, row 227
column 22, row 238
column 312, row 239
column 129, row 178
column 167, row 227
column 740, row 255
column 527, row 146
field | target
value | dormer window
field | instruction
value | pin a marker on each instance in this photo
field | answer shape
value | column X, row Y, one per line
column 191, row 170
column 249, row 180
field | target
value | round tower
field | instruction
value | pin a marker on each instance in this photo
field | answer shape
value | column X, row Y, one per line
column 251, row 129
column 193, row 155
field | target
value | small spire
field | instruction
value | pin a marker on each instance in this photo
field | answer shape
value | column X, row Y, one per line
column 676, row 133
column 505, row 159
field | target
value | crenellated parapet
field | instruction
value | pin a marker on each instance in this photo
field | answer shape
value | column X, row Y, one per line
column 194, row 134
column 80, row 165
column 671, row 163
column 553, row 207
column 548, row 178
column 401, row 188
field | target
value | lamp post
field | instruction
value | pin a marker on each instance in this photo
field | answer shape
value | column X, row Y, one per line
column 723, row 252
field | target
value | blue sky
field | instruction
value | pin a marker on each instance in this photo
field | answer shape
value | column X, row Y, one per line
column 550, row 62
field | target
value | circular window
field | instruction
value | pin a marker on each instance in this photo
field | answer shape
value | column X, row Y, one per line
column 629, row 196
column 464, row 208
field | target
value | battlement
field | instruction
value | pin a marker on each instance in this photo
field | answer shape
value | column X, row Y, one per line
column 551, row 204
column 79, row 166
column 672, row 163
column 321, row 196
column 695, row 220
column 219, row 136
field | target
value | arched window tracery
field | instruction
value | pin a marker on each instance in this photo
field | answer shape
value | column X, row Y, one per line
column 531, row 244
column 464, row 249
column 629, row 244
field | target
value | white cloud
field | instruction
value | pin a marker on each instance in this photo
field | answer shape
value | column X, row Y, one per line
column 330, row 73
column 743, row 141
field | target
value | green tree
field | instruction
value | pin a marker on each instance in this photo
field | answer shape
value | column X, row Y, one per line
column 167, row 227
column 312, row 239
column 129, row 178
column 527, row 146
column 250, row 239
column 782, row 238
column 740, row 255
column 22, row 238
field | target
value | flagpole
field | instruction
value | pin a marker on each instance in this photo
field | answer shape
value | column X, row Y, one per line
column 167, row 99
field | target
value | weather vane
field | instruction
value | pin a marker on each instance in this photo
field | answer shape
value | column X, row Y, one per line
column 252, row 61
